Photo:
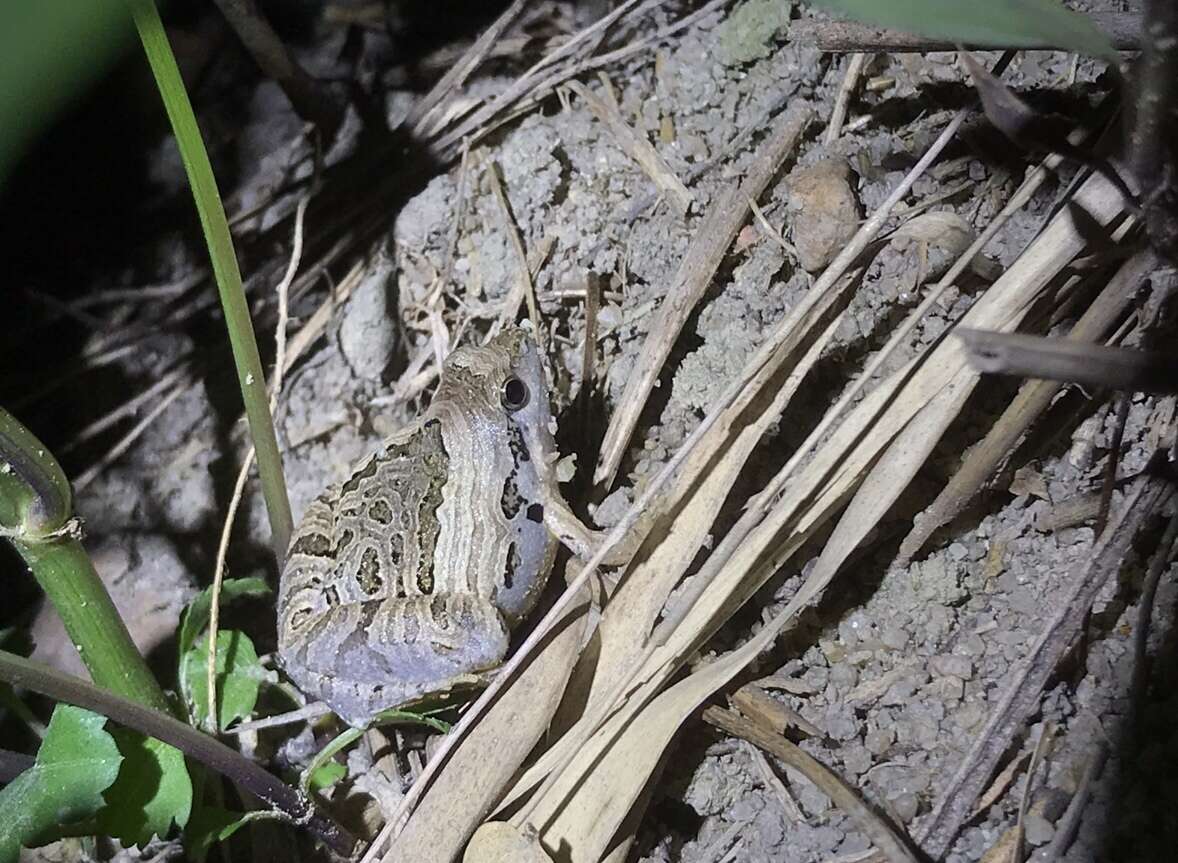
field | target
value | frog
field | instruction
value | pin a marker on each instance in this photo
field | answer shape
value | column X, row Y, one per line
column 405, row 580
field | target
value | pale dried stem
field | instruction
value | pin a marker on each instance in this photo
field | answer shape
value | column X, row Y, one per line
column 128, row 439
column 524, row 288
column 1124, row 28
column 125, row 409
column 842, row 100
column 800, row 318
column 713, row 236
column 882, row 834
column 420, row 117
column 1032, row 400
column 636, row 146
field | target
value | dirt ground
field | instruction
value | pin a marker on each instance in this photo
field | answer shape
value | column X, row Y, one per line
column 898, row 666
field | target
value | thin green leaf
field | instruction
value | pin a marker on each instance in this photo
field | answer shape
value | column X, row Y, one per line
column 1003, row 23
column 210, row 824
column 77, row 761
column 211, row 211
column 196, row 615
column 153, row 790
column 327, row 775
column 239, row 675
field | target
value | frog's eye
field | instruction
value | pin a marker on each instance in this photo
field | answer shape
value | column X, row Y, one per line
column 515, row 394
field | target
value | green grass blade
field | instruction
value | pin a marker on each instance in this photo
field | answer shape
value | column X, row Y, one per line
column 1003, row 23
column 228, row 277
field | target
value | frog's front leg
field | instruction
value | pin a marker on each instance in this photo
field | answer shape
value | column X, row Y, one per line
column 582, row 540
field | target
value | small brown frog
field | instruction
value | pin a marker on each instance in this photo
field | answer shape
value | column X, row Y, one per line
column 407, row 578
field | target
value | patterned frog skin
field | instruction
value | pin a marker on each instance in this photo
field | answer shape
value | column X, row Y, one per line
column 406, row 579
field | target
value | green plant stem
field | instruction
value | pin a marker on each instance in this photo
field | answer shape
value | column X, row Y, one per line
column 35, row 499
column 35, row 514
column 153, row 723
column 224, row 261
column 64, row 571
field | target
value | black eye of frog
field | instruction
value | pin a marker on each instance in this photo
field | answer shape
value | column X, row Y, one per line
column 515, row 394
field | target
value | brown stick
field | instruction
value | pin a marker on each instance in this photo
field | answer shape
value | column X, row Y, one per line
column 1064, row 360
column 311, row 100
column 1025, row 687
column 1032, row 400
column 716, row 231
column 882, row 835
column 1122, row 28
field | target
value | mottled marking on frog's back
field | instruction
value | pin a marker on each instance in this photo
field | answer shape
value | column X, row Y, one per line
column 407, row 575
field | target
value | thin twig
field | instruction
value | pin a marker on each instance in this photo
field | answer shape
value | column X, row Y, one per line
column 1024, row 688
column 1033, row 398
column 883, row 835
column 125, row 409
column 843, row 99
column 1069, row 823
column 419, row 118
column 637, row 147
column 1046, row 358
column 712, row 238
column 311, row 711
column 282, row 291
column 1161, row 559
column 129, row 438
column 311, row 100
column 1123, row 28
column 524, row 289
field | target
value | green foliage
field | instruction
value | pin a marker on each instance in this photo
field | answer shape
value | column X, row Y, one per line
column 52, row 52
column 34, row 493
column 1007, row 23
column 747, row 33
column 239, row 675
column 210, row 824
column 327, row 775
column 226, row 273
column 196, row 615
column 77, row 761
column 153, row 790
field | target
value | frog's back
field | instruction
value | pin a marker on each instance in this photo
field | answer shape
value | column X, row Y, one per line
column 408, row 574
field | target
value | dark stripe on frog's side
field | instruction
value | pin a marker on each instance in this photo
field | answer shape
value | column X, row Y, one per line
column 366, row 472
column 515, row 440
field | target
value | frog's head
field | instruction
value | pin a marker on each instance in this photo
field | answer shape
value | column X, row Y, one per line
column 503, row 377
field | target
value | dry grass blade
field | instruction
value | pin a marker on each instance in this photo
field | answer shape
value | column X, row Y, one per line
column 421, row 117
column 621, row 753
column 482, row 764
column 727, row 587
column 717, row 229
column 842, row 101
column 628, row 619
column 637, row 148
column 1022, row 694
column 524, row 289
column 923, row 401
column 885, row 837
column 1123, row 28
column 1032, row 400
column 127, row 440
column 1063, row 360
